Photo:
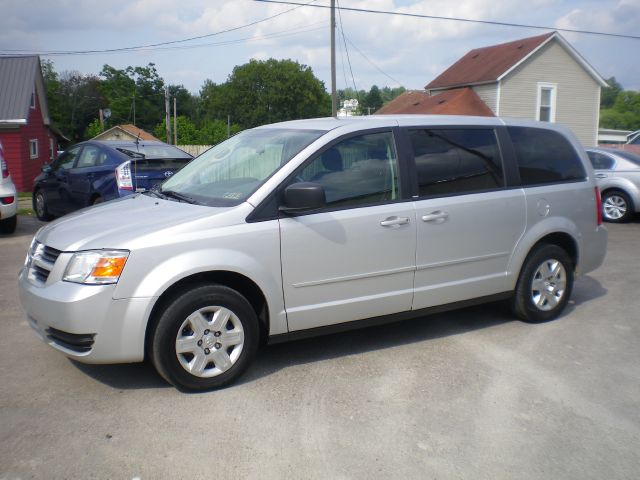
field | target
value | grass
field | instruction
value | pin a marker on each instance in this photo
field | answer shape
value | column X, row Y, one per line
column 25, row 210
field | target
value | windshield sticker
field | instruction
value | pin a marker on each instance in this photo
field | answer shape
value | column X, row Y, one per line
column 232, row 195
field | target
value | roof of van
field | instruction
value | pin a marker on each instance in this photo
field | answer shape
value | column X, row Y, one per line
column 380, row 121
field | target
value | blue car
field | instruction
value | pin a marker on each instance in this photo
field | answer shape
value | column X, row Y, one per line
column 96, row 171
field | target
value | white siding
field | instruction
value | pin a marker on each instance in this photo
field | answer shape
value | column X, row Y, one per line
column 489, row 95
column 578, row 94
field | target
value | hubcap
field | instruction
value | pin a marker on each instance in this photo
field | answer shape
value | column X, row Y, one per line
column 209, row 341
column 40, row 204
column 548, row 285
column 614, row 207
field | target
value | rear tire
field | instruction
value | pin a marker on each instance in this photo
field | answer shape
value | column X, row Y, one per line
column 8, row 225
column 616, row 207
column 205, row 338
column 544, row 285
column 40, row 206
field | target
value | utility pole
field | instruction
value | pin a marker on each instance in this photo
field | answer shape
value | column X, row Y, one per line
column 228, row 126
column 134, row 106
column 334, row 99
column 167, row 113
column 175, row 123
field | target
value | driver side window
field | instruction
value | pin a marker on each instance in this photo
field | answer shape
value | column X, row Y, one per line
column 66, row 160
column 359, row 171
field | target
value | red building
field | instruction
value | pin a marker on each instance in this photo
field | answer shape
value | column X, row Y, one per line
column 26, row 132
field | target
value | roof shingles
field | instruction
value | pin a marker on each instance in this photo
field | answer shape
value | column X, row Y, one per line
column 483, row 65
column 459, row 101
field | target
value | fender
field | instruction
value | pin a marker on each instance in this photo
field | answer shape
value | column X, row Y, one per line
column 252, row 252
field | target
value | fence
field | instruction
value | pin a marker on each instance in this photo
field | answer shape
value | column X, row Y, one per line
column 194, row 150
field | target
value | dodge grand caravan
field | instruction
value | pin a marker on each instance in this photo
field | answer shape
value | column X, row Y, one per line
column 304, row 227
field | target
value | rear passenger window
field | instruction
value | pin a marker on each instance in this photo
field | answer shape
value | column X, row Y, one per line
column 600, row 161
column 456, row 161
column 545, row 156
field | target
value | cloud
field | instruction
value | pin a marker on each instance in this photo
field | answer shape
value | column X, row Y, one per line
column 622, row 18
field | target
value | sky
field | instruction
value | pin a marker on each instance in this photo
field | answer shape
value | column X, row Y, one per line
column 381, row 50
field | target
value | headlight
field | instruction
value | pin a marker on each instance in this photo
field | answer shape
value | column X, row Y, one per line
column 96, row 267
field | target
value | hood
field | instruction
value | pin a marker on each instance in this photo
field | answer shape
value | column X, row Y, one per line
column 135, row 220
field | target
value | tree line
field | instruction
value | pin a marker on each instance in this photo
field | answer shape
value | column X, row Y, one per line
column 619, row 108
column 255, row 93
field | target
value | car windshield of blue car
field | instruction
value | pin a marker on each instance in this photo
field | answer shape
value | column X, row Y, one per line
column 230, row 172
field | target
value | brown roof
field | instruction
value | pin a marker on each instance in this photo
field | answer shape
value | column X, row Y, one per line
column 128, row 128
column 135, row 131
column 459, row 101
column 487, row 64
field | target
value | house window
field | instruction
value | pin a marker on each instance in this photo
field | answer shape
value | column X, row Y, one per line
column 33, row 148
column 51, row 148
column 32, row 103
column 546, row 110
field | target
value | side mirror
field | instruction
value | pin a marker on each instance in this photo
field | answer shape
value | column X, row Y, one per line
column 302, row 196
column 46, row 168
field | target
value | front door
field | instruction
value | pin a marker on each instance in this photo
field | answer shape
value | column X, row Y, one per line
column 356, row 258
column 56, row 182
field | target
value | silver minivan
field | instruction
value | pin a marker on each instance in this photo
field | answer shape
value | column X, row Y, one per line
column 306, row 227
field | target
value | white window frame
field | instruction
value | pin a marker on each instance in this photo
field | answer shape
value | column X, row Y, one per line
column 33, row 148
column 32, row 102
column 51, row 151
column 554, row 95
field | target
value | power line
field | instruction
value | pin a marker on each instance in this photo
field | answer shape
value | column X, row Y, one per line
column 457, row 19
column 374, row 65
column 160, row 44
column 346, row 50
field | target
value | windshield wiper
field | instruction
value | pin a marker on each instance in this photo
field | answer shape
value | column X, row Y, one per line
column 178, row 196
column 155, row 192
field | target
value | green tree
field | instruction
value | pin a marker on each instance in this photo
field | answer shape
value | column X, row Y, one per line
column 134, row 95
column 93, row 129
column 608, row 94
column 372, row 101
column 624, row 114
column 268, row 91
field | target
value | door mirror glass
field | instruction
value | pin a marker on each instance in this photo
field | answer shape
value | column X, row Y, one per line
column 303, row 196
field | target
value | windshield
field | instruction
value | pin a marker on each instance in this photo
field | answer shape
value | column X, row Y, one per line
column 228, row 173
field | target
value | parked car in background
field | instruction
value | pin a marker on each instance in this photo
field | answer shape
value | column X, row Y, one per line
column 310, row 226
column 8, row 198
column 96, row 171
column 618, row 176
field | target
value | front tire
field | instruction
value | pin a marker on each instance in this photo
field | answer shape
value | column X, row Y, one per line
column 544, row 285
column 616, row 207
column 40, row 206
column 205, row 338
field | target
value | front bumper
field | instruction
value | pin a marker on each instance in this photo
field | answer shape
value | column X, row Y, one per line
column 84, row 321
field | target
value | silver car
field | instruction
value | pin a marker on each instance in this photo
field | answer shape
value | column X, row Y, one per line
column 312, row 226
column 8, row 198
column 618, row 176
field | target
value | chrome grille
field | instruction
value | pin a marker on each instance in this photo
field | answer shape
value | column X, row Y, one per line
column 41, row 261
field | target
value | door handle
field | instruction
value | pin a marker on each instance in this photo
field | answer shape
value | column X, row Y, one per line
column 435, row 216
column 393, row 221
column 601, row 175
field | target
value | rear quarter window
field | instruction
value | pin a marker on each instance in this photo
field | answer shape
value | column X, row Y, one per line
column 545, row 156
